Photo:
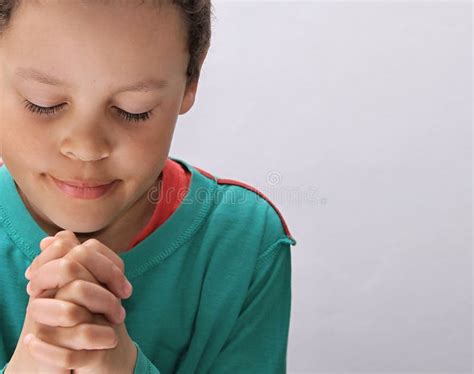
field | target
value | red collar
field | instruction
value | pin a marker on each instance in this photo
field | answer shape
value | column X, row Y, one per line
column 174, row 186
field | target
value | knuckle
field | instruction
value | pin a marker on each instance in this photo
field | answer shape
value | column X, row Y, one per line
column 86, row 332
column 78, row 287
column 64, row 233
column 67, row 360
column 55, row 243
column 58, row 245
column 60, row 234
column 68, row 266
column 59, row 294
column 68, row 232
column 61, row 237
column 64, row 264
column 116, row 272
column 42, row 334
column 92, row 242
column 89, row 334
column 116, row 275
column 80, row 251
column 69, row 313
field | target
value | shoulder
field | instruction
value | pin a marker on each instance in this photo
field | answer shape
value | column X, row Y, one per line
column 239, row 204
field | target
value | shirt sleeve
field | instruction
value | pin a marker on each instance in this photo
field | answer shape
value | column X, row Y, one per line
column 258, row 341
column 2, row 371
column 143, row 365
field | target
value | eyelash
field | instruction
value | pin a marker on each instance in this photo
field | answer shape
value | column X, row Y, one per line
column 129, row 117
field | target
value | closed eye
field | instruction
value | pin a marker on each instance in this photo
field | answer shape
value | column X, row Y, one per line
column 49, row 111
column 134, row 116
column 42, row 110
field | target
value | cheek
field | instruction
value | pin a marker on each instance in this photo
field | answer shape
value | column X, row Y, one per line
column 155, row 141
column 21, row 130
column 149, row 152
column 23, row 141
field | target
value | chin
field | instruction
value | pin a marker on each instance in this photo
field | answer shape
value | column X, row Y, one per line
column 86, row 227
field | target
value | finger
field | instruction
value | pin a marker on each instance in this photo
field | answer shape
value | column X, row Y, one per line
column 45, row 242
column 95, row 298
column 101, row 268
column 42, row 351
column 54, row 312
column 83, row 336
column 59, row 356
column 62, row 249
column 103, row 249
column 59, row 272
column 106, row 251
column 56, row 274
column 59, row 246
column 50, row 294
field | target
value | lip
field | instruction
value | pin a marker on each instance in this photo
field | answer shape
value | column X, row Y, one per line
column 84, row 184
column 83, row 190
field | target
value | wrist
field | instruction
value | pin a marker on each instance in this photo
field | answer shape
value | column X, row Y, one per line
column 132, row 358
column 12, row 366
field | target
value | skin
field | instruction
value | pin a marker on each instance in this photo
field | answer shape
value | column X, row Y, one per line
column 60, row 344
column 95, row 48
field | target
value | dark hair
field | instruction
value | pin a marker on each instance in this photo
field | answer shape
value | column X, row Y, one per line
column 197, row 16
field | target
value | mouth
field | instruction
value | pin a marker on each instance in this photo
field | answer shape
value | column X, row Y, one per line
column 84, row 190
column 83, row 184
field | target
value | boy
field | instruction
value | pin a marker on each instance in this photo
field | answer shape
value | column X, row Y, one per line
column 89, row 197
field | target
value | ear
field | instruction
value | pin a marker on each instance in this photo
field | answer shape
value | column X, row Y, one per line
column 189, row 98
column 191, row 90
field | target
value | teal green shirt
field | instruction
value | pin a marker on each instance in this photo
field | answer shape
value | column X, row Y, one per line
column 211, row 285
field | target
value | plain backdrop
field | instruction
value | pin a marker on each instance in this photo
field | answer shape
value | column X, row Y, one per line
column 355, row 119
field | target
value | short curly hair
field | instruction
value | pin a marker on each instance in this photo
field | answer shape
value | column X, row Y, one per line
column 198, row 19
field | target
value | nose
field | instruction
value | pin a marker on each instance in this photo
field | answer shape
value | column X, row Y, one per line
column 85, row 143
column 85, row 156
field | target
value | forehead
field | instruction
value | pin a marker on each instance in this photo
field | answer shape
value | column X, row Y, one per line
column 106, row 2
column 88, row 38
column 134, row 19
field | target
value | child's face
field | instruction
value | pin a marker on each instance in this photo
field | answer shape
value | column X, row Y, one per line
column 95, row 49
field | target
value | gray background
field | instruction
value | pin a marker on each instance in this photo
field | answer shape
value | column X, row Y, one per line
column 355, row 119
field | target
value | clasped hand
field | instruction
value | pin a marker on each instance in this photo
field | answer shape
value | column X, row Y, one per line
column 72, row 287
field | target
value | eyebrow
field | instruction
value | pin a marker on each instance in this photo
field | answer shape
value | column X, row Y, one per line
column 145, row 85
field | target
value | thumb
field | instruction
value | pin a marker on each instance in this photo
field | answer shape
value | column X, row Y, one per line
column 46, row 242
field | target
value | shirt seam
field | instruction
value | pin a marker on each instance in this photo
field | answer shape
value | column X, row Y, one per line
column 271, row 251
column 180, row 240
